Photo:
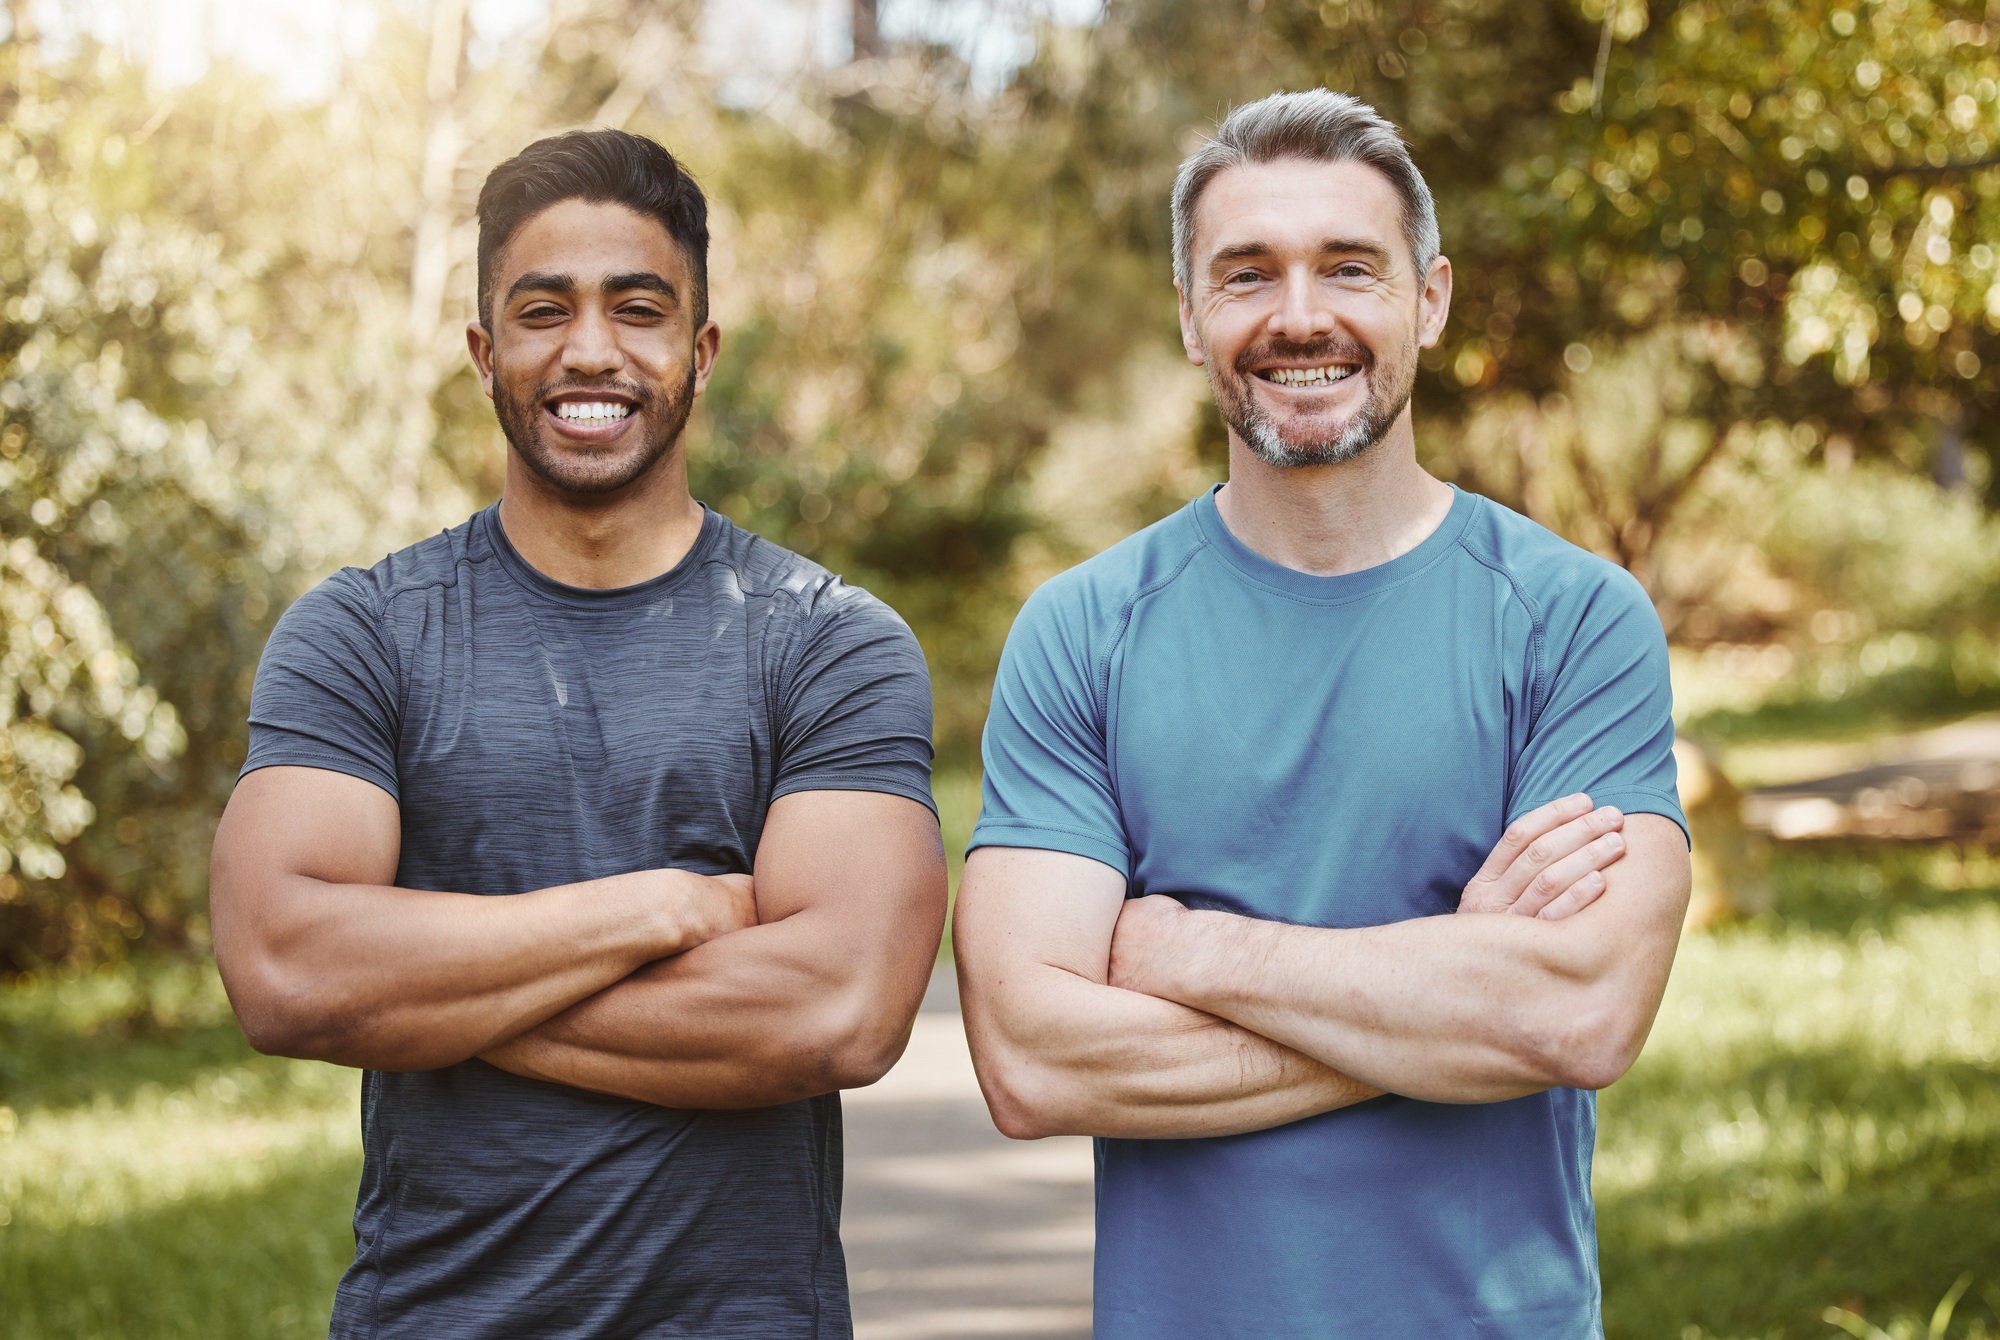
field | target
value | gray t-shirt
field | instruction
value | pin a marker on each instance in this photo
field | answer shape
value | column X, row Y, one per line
column 536, row 734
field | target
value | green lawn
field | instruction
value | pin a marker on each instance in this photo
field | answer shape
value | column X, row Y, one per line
column 1816, row 1122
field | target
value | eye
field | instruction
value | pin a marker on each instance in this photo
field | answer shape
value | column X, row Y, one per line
column 1350, row 270
column 541, row 311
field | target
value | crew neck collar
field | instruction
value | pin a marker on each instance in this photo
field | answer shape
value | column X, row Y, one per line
column 1348, row 585
column 589, row 597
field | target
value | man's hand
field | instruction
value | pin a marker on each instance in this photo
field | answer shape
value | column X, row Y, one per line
column 1455, row 1009
column 1550, row 862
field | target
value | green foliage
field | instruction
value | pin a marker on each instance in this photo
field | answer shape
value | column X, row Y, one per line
column 1936, row 1328
column 1896, row 683
column 119, row 523
column 1723, row 302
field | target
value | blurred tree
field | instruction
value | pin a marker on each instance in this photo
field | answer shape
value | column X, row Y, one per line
column 1725, row 309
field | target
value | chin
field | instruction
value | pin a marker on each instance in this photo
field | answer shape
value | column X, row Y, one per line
column 573, row 471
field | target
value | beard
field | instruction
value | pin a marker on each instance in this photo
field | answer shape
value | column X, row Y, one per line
column 583, row 469
column 1314, row 441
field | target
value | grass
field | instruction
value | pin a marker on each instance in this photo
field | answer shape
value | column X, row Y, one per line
column 159, row 1179
column 1816, row 1121
column 1816, row 1124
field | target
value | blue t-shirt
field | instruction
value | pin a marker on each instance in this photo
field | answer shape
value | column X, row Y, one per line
column 1334, row 751
column 536, row 734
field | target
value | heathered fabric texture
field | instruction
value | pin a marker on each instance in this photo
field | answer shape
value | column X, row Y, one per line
column 1334, row 751
column 536, row 734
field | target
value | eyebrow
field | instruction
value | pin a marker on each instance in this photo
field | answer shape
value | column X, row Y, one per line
column 543, row 281
column 1341, row 246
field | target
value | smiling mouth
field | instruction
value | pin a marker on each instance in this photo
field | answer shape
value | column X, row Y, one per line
column 1324, row 375
column 593, row 413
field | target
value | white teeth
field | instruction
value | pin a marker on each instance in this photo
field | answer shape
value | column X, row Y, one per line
column 1311, row 376
column 588, row 411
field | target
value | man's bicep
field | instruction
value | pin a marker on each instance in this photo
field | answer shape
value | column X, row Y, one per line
column 874, row 856
column 284, row 826
column 1633, row 928
column 1023, row 906
column 311, row 822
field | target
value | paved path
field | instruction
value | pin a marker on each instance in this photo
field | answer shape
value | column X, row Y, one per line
column 951, row 1229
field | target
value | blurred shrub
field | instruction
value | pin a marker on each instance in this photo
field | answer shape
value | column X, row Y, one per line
column 122, row 535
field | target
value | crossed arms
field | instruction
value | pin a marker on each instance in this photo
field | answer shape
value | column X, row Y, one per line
column 1092, row 1015
column 664, row 986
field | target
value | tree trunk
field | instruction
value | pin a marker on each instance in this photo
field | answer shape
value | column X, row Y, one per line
column 430, row 265
column 867, row 33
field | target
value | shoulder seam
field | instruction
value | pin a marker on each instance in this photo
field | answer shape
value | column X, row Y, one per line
column 1101, row 677
column 1538, row 695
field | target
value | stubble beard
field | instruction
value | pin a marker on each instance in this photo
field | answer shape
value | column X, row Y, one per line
column 581, row 469
column 1387, row 396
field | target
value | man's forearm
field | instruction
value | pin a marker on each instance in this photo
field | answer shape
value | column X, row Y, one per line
column 1467, row 1008
column 404, row 979
column 1064, row 1055
column 325, row 959
column 763, row 1016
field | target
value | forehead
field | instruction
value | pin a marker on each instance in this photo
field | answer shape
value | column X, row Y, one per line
column 1295, row 204
column 591, row 239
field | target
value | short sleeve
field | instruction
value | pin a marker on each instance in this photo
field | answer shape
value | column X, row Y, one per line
column 326, row 689
column 1048, row 773
column 855, row 703
column 1606, row 723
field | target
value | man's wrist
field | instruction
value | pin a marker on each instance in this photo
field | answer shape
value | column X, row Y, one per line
column 1218, row 954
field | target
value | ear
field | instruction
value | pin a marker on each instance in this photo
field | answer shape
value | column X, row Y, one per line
column 1434, row 304
column 707, row 344
column 479, row 341
column 1190, row 336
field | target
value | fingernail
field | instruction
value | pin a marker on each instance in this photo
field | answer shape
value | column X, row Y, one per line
column 1577, row 803
column 1613, row 841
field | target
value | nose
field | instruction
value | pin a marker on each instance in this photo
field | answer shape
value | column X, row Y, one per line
column 1305, row 309
column 591, row 348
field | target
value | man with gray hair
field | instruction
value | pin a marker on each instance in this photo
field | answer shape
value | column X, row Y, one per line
column 1330, row 855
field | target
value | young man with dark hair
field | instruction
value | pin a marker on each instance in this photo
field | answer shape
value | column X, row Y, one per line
column 1289, row 882
column 596, row 829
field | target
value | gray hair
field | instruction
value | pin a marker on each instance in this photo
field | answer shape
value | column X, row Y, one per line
column 1319, row 125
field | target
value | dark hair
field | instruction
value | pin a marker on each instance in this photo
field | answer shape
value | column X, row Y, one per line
column 604, row 166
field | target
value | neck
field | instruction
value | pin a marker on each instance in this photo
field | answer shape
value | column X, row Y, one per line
column 1329, row 520
column 604, row 540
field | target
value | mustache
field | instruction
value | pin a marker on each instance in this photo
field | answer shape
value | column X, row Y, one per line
column 632, row 391
column 1328, row 350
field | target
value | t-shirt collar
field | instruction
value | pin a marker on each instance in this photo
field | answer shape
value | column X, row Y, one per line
column 1308, row 586
column 487, row 525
